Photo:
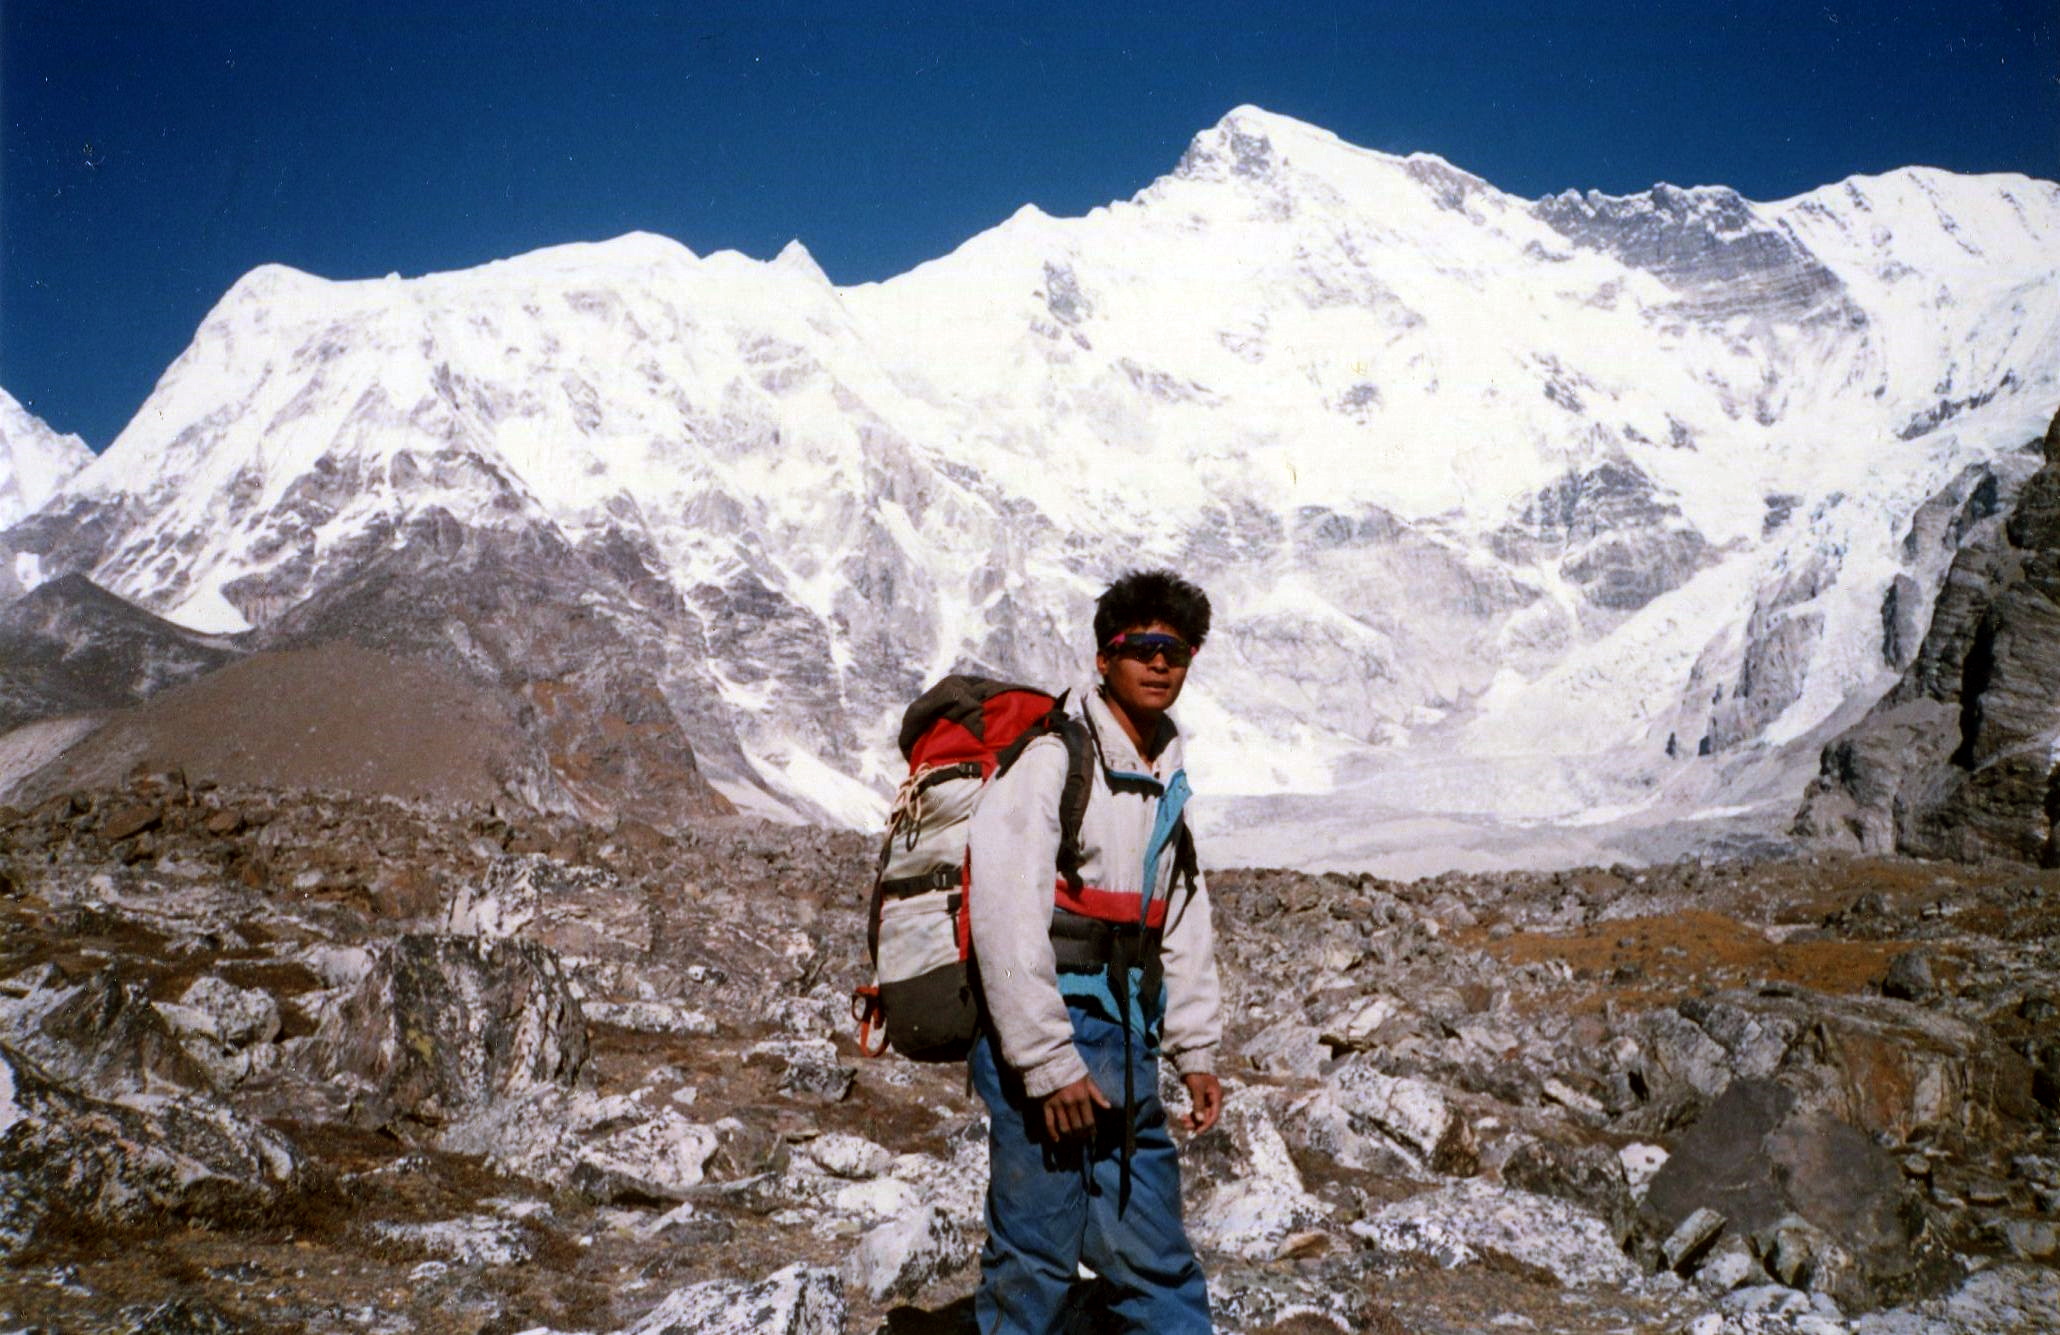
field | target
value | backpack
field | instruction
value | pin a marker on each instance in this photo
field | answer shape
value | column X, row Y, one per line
column 958, row 737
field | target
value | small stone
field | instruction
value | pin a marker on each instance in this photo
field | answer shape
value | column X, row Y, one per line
column 1988, row 1193
column 1690, row 1239
column 1573, row 1100
column 1785, row 1249
column 224, row 823
column 1909, row 977
column 127, row 821
column 1729, row 1265
column 2032, row 1239
column 1641, row 1162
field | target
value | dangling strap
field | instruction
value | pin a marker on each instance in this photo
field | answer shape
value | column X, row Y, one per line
column 865, row 1008
column 1124, row 949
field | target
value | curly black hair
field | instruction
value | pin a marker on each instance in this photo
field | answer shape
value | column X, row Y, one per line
column 1141, row 597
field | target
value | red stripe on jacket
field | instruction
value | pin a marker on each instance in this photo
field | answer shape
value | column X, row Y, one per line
column 1117, row 906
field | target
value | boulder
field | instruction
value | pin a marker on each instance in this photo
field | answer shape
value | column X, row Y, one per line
column 1586, row 1175
column 841, row 1154
column 575, row 910
column 1762, row 1161
column 100, row 1036
column 227, row 1029
column 810, row 1069
column 658, row 1158
column 235, row 1016
column 1286, row 1047
column 1909, row 977
column 651, row 1017
column 67, row 1159
column 442, row 1026
column 473, row 1240
column 1245, row 1195
column 903, row 1256
column 1414, row 1114
column 1887, row 1067
column 614, row 1150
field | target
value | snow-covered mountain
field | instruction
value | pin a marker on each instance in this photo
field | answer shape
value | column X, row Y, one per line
column 1536, row 528
column 34, row 460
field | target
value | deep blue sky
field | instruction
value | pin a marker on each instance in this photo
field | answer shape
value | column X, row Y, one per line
column 155, row 152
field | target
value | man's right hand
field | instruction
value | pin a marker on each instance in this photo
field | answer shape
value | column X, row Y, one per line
column 1069, row 1110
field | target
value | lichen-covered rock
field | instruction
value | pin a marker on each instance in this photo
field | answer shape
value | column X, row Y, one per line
column 100, row 1034
column 651, row 1017
column 1463, row 1222
column 227, row 1029
column 1286, row 1047
column 1586, row 1175
column 1246, row 1197
column 841, row 1154
column 659, row 1158
column 443, row 1026
column 611, row 1149
column 98, row 1164
column 578, row 911
column 800, row 1300
column 477, row 1240
column 810, row 1069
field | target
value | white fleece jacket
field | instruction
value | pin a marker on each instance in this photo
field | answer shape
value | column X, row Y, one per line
column 1014, row 851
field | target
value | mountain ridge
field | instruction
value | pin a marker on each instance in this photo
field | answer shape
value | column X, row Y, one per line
column 1454, row 472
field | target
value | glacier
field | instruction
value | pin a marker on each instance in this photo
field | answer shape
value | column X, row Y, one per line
column 1540, row 531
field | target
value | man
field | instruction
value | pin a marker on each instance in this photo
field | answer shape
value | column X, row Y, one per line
column 1086, row 979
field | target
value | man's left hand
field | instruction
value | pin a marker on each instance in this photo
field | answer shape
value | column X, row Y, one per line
column 1204, row 1099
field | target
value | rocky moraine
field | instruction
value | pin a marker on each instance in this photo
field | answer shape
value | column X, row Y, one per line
column 281, row 1060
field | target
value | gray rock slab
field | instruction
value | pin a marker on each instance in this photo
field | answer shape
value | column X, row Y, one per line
column 1691, row 1238
column 799, row 1300
column 1460, row 1223
column 901, row 1257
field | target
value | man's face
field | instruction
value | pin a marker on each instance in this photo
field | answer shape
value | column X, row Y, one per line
column 1143, row 686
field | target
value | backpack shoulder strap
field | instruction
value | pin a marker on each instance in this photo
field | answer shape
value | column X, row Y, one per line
column 1079, row 780
column 1073, row 798
column 1187, row 866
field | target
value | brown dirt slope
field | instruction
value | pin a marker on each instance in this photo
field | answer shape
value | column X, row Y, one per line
column 338, row 717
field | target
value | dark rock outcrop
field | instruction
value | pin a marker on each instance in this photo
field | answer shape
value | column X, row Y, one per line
column 1615, row 535
column 70, row 646
column 1958, row 760
column 1757, row 1159
column 1709, row 244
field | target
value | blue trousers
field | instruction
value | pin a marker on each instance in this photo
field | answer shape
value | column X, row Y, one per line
column 1051, row 1207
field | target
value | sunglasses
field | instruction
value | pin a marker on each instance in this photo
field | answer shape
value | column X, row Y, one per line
column 1144, row 646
